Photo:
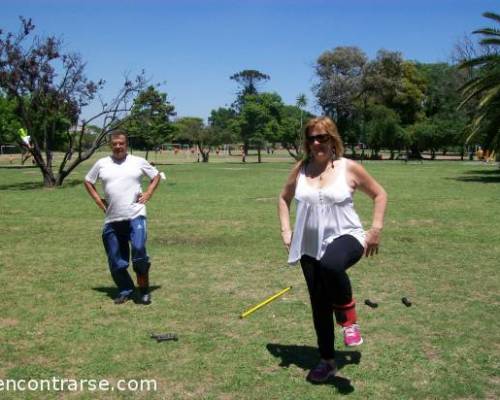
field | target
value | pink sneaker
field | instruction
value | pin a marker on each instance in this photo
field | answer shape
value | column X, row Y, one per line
column 352, row 335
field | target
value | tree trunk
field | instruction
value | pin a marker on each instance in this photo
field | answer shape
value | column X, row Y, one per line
column 48, row 178
column 259, row 159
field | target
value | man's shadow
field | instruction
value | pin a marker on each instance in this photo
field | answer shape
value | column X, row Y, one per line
column 112, row 292
column 306, row 358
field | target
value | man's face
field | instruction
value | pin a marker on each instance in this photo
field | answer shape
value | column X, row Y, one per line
column 119, row 147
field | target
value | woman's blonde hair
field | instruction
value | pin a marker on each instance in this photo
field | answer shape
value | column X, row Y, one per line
column 325, row 125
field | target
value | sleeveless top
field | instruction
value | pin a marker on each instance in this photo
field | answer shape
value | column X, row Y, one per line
column 323, row 214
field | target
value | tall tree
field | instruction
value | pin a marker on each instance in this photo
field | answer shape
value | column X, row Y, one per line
column 149, row 122
column 442, row 97
column 248, row 80
column 486, row 88
column 340, row 73
column 291, row 129
column 49, row 90
column 259, row 120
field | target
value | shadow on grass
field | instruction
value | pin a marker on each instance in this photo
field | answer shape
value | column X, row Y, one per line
column 485, row 176
column 112, row 291
column 39, row 185
column 17, row 166
column 306, row 358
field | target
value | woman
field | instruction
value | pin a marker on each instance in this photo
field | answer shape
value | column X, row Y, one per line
column 328, row 237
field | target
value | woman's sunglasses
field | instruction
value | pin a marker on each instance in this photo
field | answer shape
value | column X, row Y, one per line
column 321, row 138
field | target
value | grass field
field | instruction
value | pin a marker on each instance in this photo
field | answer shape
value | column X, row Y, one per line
column 215, row 246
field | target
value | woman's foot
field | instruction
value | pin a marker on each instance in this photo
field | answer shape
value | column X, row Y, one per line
column 352, row 335
column 321, row 372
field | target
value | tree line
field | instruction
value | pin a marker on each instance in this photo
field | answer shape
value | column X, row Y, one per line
column 385, row 103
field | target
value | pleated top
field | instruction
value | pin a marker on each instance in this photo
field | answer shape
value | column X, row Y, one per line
column 323, row 215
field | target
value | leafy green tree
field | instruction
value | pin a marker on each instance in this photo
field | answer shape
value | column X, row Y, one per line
column 149, row 122
column 9, row 122
column 395, row 83
column 383, row 130
column 259, row 120
column 340, row 72
column 486, row 87
column 249, row 81
column 49, row 90
column 194, row 130
column 442, row 97
column 222, row 124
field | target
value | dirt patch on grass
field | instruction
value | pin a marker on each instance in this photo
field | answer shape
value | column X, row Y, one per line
column 7, row 322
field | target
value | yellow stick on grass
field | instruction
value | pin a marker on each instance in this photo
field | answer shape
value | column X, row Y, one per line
column 266, row 301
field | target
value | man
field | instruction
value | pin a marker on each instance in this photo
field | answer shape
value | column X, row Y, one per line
column 125, row 220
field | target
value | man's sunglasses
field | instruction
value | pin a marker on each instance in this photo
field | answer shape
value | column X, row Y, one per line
column 321, row 138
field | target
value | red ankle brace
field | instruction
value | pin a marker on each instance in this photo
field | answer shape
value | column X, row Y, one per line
column 345, row 314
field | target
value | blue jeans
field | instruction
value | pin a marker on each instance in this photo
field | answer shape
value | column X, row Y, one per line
column 116, row 237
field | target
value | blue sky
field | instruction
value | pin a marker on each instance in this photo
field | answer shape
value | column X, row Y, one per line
column 194, row 46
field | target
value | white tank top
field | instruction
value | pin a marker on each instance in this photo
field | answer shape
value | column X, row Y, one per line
column 323, row 215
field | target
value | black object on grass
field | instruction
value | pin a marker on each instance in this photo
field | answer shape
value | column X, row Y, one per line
column 371, row 304
column 165, row 336
column 406, row 301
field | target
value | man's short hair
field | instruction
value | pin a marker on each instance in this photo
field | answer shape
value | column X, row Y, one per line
column 118, row 132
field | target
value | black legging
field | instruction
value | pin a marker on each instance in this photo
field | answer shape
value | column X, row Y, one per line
column 329, row 285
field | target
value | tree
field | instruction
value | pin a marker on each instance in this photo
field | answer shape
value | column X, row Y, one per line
column 149, row 120
column 301, row 104
column 395, row 83
column 194, row 130
column 442, row 97
column 383, row 129
column 486, row 88
column 291, row 129
column 49, row 90
column 259, row 120
column 9, row 123
column 222, row 124
column 249, row 80
column 340, row 73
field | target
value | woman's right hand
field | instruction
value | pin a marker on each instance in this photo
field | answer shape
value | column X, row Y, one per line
column 286, row 237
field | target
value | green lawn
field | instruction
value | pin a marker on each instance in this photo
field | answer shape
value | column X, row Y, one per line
column 215, row 247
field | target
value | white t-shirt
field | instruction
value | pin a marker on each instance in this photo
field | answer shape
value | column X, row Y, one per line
column 121, row 182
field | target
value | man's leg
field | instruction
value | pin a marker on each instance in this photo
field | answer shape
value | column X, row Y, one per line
column 140, row 259
column 115, row 240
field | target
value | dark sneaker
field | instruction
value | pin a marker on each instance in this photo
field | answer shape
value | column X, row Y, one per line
column 122, row 298
column 322, row 371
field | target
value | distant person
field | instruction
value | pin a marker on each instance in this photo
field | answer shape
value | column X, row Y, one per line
column 125, row 220
column 328, row 237
column 26, row 145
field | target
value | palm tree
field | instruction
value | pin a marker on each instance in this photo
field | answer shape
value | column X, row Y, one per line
column 301, row 103
column 485, row 87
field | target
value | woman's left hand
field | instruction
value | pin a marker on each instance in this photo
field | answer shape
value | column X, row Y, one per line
column 372, row 241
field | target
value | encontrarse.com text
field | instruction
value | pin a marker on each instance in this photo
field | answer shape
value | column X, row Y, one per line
column 57, row 384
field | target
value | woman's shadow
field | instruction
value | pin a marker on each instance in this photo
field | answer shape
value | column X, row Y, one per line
column 306, row 358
